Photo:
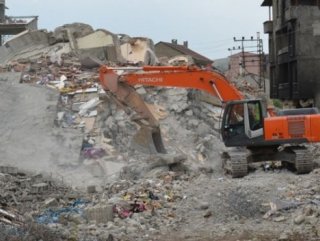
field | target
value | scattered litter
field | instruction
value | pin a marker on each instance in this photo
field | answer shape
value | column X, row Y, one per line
column 52, row 216
column 93, row 152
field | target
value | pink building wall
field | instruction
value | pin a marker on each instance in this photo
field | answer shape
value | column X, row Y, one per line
column 252, row 65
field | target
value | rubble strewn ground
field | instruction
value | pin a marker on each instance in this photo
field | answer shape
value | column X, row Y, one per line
column 68, row 169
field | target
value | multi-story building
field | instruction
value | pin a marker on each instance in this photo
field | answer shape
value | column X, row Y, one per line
column 294, row 50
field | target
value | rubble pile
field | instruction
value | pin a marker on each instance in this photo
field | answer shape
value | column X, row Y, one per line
column 165, row 204
column 52, row 88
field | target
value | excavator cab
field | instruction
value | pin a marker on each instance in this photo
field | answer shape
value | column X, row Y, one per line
column 242, row 123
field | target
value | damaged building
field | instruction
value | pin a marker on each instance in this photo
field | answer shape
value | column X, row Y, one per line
column 10, row 25
column 294, row 34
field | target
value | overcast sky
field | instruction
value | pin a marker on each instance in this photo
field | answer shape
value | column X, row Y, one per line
column 208, row 25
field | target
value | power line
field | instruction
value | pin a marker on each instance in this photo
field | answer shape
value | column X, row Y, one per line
column 259, row 52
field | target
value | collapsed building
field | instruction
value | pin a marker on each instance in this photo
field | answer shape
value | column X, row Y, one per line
column 294, row 50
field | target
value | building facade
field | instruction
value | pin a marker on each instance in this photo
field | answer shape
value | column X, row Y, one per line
column 243, row 63
column 294, row 50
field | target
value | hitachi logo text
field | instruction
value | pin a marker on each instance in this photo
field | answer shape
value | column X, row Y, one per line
column 150, row 80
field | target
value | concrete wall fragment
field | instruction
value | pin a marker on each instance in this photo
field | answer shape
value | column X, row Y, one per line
column 101, row 45
column 97, row 39
column 139, row 50
column 181, row 60
column 28, row 40
column 77, row 30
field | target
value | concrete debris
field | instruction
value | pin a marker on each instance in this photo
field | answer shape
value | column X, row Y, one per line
column 84, row 108
column 181, row 60
column 138, row 50
column 92, row 48
column 10, row 218
column 76, row 30
column 100, row 213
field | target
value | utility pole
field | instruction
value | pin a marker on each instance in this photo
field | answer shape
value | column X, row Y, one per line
column 2, row 15
column 258, row 50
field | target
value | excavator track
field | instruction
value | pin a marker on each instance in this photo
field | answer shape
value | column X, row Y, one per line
column 303, row 161
column 235, row 163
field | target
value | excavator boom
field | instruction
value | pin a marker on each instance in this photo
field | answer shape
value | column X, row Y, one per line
column 169, row 76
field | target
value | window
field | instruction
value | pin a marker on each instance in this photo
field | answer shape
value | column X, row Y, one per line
column 236, row 115
column 305, row 2
column 255, row 115
column 235, row 120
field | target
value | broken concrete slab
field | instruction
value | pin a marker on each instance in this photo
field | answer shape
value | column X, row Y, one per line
column 39, row 188
column 138, row 50
column 91, row 47
column 102, row 213
column 8, row 170
column 28, row 40
column 181, row 60
column 77, row 30
column 11, row 77
column 100, row 45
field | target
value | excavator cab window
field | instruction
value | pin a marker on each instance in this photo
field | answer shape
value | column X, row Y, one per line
column 235, row 120
column 255, row 115
column 242, row 123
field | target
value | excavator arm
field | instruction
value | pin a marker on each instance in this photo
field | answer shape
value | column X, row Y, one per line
column 169, row 76
column 120, row 82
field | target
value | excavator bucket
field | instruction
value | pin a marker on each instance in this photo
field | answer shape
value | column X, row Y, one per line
column 148, row 140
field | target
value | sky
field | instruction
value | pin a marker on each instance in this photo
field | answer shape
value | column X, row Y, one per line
column 209, row 26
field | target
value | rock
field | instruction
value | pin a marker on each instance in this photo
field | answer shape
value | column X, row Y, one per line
column 51, row 202
column 203, row 129
column 312, row 220
column 307, row 184
column 317, row 229
column 308, row 210
column 8, row 170
column 131, row 230
column 76, row 29
column 155, row 172
column 75, row 218
column 279, row 219
column 193, row 123
column 141, row 91
column 110, row 225
column 299, row 219
column 110, row 238
column 189, row 113
column 100, row 213
column 91, row 189
column 167, row 179
column 120, row 116
column 208, row 214
column 39, row 188
column 166, row 160
column 204, row 205
column 284, row 237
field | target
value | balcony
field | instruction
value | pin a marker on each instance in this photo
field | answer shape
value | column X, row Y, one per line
column 268, row 27
column 15, row 25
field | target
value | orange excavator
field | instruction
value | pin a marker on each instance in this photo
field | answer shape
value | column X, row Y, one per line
column 250, row 130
